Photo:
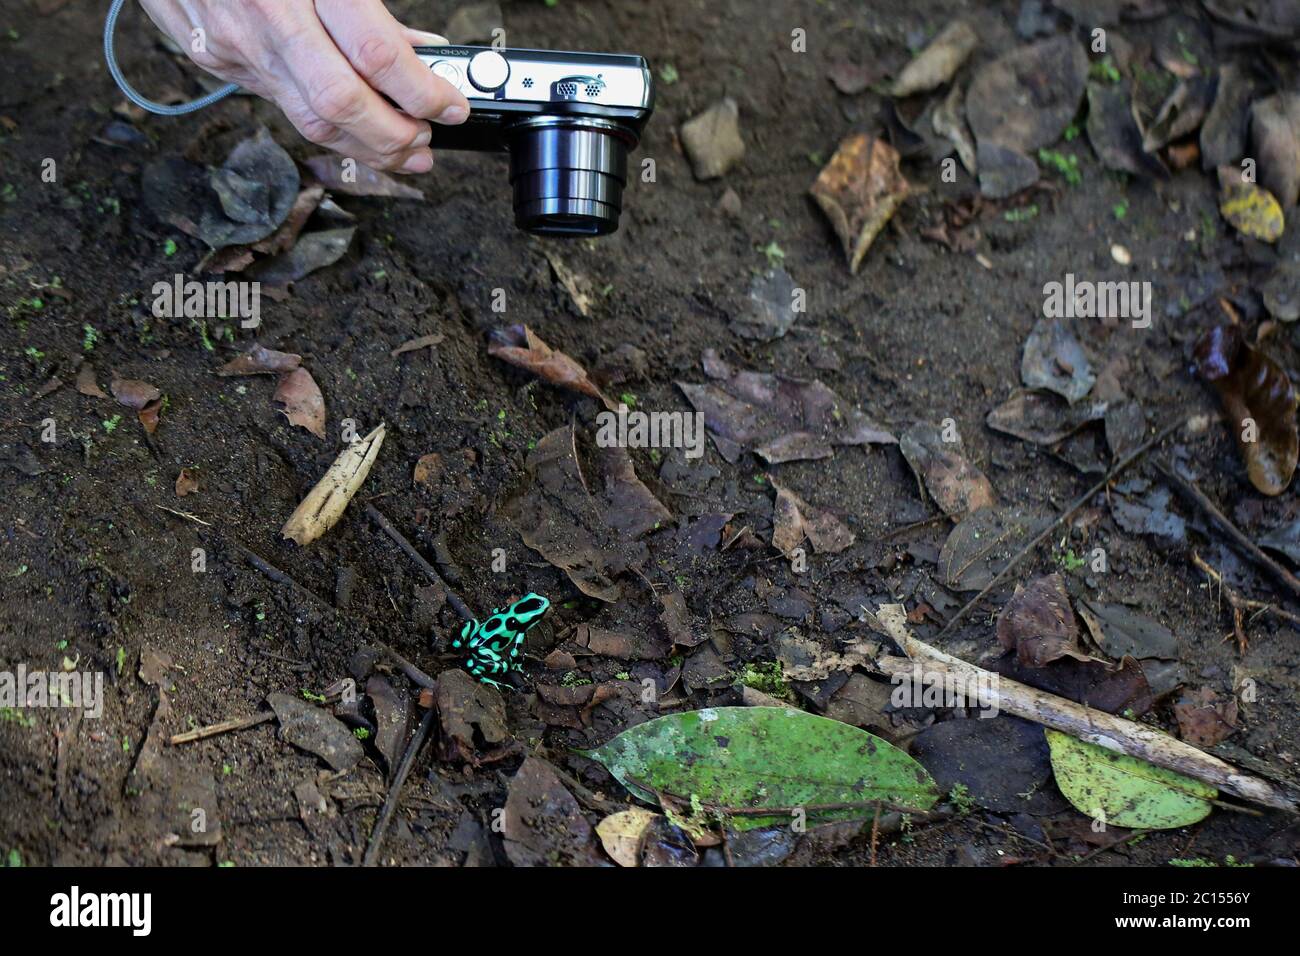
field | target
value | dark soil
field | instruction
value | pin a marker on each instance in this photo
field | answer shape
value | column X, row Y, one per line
column 94, row 569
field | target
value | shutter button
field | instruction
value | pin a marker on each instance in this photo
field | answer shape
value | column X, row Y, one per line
column 488, row 70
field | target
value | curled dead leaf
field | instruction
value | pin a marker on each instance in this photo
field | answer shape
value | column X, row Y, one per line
column 520, row 346
column 860, row 190
column 324, row 504
column 259, row 360
column 304, row 405
column 1260, row 402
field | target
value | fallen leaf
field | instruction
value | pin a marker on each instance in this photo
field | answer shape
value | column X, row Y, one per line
column 149, row 416
column 793, row 519
column 1042, row 418
column 1121, row 791
column 1275, row 143
column 780, row 419
column 770, row 309
column 592, row 538
column 623, row 834
column 316, row 730
column 1260, row 402
column 542, row 824
column 133, row 393
column 1203, row 719
column 261, row 360
column 324, row 504
column 859, row 190
column 304, row 405
column 414, row 345
column 1223, row 134
column 956, row 485
column 394, row 718
column 755, row 757
column 1038, row 623
column 1252, row 210
column 520, row 346
column 939, row 61
column 469, row 712
column 1024, row 99
column 187, row 482
column 1054, row 360
column 86, row 383
column 578, row 286
column 982, row 543
column 312, row 251
column 1114, row 133
column 357, row 179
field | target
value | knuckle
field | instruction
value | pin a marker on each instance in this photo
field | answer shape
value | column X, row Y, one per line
column 339, row 100
column 376, row 56
column 318, row 131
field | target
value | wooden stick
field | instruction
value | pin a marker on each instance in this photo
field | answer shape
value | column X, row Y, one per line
column 1094, row 726
column 222, row 727
column 395, row 789
column 429, row 570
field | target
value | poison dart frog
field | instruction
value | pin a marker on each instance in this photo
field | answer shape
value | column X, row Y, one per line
column 492, row 648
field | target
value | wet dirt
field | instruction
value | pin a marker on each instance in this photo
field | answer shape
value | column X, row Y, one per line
column 98, row 570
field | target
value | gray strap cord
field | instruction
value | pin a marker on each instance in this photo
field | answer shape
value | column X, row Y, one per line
column 162, row 110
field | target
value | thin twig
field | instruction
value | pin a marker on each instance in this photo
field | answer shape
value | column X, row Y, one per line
column 1197, row 497
column 1241, row 604
column 222, row 727
column 395, row 789
column 1061, row 518
column 429, row 570
column 406, row 667
column 278, row 576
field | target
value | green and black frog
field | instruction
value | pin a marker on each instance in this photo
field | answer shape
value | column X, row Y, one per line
column 493, row 648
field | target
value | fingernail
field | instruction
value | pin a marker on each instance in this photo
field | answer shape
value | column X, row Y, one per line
column 418, row 163
column 423, row 139
column 452, row 115
column 430, row 39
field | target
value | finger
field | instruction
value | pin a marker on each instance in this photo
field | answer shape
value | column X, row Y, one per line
column 416, row 159
column 424, row 38
column 339, row 99
column 376, row 45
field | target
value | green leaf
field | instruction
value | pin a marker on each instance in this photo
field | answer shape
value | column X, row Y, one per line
column 755, row 757
column 1123, row 791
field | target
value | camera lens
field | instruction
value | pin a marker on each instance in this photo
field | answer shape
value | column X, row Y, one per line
column 568, row 174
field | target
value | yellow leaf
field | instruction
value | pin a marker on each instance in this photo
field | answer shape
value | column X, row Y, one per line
column 1252, row 210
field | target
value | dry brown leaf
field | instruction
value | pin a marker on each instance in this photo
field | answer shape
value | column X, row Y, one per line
column 259, row 360
column 324, row 504
column 187, row 482
column 414, row 345
column 859, row 190
column 304, row 405
column 623, row 834
column 134, row 393
column 578, row 286
column 1260, row 401
column 357, row 179
column 793, row 519
column 520, row 346
column 86, row 383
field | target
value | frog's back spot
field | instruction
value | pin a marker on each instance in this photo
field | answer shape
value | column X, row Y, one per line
column 531, row 605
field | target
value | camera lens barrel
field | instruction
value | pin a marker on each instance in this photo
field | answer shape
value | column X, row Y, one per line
column 568, row 174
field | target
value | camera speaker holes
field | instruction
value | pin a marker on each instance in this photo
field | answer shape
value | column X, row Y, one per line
column 528, row 82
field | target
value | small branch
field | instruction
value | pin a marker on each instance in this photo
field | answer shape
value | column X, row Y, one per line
column 278, row 576
column 406, row 667
column 1240, row 604
column 395, row 789
column 223, row 727
column 1253, row 551
column 1105, row 730
column 1061, row 518
column 429, row 570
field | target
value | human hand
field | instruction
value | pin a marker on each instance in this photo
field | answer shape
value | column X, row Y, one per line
column 325, row 64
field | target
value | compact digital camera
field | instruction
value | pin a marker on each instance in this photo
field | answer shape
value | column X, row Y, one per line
column 568, row 121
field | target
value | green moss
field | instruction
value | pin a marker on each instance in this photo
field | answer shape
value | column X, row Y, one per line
column 768, row 677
